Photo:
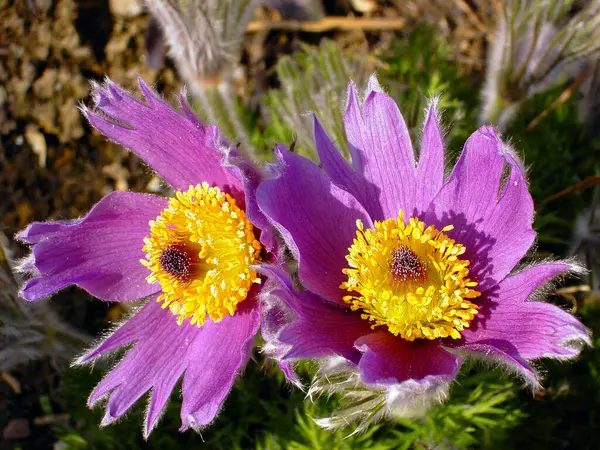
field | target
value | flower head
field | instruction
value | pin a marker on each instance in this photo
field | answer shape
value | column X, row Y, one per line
column 190, row 255
column 201, row 250
column 406, row 271
column 410, row 279
column 538, row 44
column 204, row 37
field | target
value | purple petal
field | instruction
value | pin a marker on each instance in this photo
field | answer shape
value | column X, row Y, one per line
column 518, row 330
column 290, row 374
column 156, row 362
column 321, row 328
column 389, row 359
column 430, row 171
column 252, row 177
column 182, row 152
column 491, row 221
column 429, row 175
column 342, row 174
column 163, row 352
column 354, row 124
column 333, row 162
column 276, row 315
column 187, row 111
column 381, row 152
column 316, row 218
column 492, row 354
column 100, row 253
column 205, row 386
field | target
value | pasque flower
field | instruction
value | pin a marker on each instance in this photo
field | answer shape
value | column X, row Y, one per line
column 191, row 256
column 537, row 44
column 406, row 271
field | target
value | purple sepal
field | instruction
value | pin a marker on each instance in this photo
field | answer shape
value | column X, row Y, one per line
column 100, row 253
column 491, row 219
column 319, row 328
column 251, row 178
column 315, row 217
column 382, row 151
column 430, row 170
column 164, row 352
column 389, row 359
column 513, row 330
column 182, row 150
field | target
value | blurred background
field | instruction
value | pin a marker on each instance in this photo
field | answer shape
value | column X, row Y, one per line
column 256, row 69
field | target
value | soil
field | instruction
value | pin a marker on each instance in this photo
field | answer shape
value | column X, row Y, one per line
column 53, row 165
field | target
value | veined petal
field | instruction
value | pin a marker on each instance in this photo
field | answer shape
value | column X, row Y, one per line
column 155, row 362
column 251, row 178
column 276, row 315
column 321, row 329
column 213, row 367
column 182, row 151
column 383, row 156
column 316, row 218
column 430, row 170
column 382, row 152
column 492, row 221
column 164, row 352
column 389, row 359
column 492, row 354
column 331, row 159
column 516, row 330
column 353, row 124
column 342, row 174
column 100, row 253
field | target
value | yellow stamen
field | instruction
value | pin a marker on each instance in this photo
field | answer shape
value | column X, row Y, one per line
column 411, row 279
column 200, row 250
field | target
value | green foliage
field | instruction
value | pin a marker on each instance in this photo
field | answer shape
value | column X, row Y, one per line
column 220, row 105
column 482, row 409
column 420, row 68
column 30, row 331
column 264, row 412
column 559, row 154
column 313, row 81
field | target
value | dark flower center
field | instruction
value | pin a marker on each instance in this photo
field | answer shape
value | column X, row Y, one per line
column 202, row 251
column 406, row 265
column 177, row 261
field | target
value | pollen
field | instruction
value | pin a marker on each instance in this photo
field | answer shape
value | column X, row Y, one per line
column 410, row 278
column 200, row 250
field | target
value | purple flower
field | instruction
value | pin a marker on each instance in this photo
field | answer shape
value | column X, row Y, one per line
column 192, row 256
column 407, row 271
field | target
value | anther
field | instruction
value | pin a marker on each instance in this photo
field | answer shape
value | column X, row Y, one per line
column 410, row 278
column 406, row 265
column 201, row 249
